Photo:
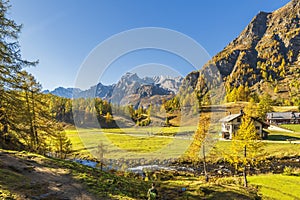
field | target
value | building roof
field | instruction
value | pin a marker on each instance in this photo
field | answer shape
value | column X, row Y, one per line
column 283, row 115
column 230, row 117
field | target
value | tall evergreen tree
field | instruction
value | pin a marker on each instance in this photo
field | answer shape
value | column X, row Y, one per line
column 25, row 116
column 11, row 64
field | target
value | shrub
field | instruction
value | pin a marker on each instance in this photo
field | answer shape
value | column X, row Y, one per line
column 289, row 171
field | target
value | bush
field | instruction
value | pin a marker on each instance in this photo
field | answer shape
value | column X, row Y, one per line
column 229, row 181
column 289, row 171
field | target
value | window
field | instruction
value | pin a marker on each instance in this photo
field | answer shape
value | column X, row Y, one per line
column 257, row 128
column 227, row 127
column 236, row 127
column 238, row 119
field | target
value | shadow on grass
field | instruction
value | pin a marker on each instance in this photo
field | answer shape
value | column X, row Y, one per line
column 283, row 193
column 282, row 138
column 221, row 192
column 84, row 149
column 207, row 192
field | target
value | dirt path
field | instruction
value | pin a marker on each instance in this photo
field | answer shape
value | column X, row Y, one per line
column 35, row 179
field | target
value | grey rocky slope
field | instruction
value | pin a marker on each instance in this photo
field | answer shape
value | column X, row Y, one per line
column 266, row 50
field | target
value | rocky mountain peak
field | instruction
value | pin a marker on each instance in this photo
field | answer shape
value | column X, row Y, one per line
column 130, row 77
column 252, row 34
column 131, row 84
column 269, row 40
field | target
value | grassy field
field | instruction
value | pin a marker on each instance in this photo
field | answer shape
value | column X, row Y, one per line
column 167, row 131
column 132, row 145
column 271, row 149
column 293, row 127
column 148, row 143
column 138, row 144
column 197, row 188
column 266, row 187
column 78, row 147
column 277, row 186
column 279, row 136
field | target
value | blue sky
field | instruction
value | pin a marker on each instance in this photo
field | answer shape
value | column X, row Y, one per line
column 62, row 33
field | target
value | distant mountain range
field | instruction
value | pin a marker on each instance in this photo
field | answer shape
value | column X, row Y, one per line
column 64, row 92
column 129, row 88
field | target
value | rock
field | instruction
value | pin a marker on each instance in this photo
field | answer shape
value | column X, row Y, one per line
column 29, row 168
column 58, row 184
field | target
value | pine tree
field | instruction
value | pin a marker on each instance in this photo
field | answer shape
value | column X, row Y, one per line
column 62, row 144
column 232, row 96
column 241, row 95
column 201, row 142
column 245, row 149
column 28, row 92
column 251, row 108
column 276, row 89
column 36, row 126
column 11, row 66
column 264, row 106
column 30, row 118
column 282, row 68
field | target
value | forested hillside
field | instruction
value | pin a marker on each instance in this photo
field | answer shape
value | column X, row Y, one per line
column 264, row 58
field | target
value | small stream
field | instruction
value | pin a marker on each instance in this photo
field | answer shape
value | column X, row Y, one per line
column 272, row 165
column 86, row 162
column 140, row 169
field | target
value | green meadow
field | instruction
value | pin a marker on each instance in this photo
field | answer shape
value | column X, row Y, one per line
column 277, row 186
column 293, row 127
column 129, row 143
column 164, row 143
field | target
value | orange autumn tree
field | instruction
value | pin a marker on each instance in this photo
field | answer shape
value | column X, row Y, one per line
column 246, row 149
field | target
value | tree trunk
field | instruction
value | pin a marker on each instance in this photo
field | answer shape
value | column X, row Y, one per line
column 244, row 170
column 245, row 177
column 101, row 154
column 34, row 121
column 204, row 165
column 32, row 134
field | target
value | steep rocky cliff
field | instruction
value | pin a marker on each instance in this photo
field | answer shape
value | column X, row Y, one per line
column 267, row 50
